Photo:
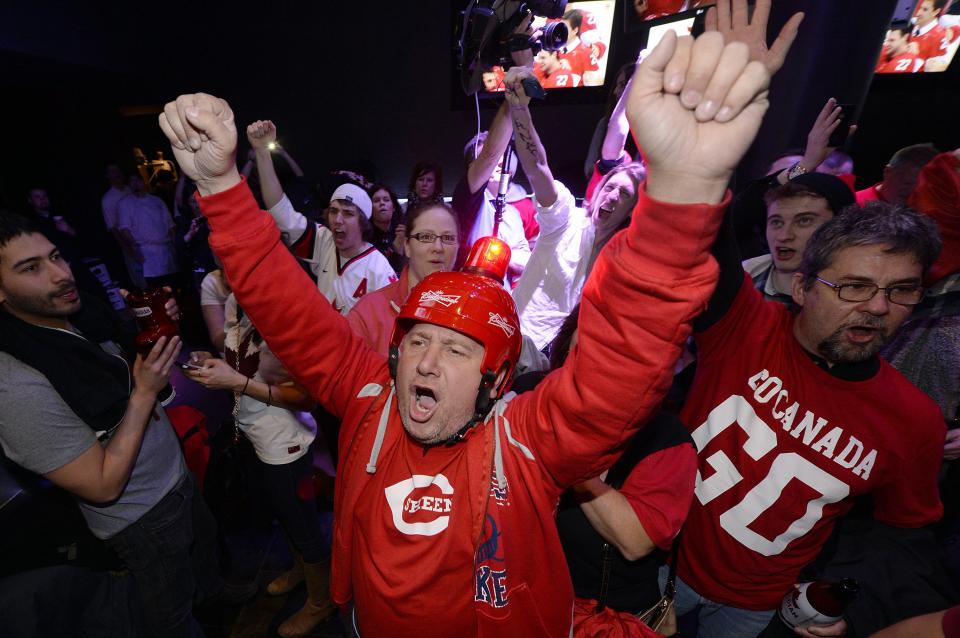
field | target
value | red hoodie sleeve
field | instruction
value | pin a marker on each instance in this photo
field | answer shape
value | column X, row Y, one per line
column 646, row 287
column 937, row 194
column 313, row 340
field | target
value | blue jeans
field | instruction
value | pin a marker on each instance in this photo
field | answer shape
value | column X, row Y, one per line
column 171, row 552
column 297, row 516
column 716, row 620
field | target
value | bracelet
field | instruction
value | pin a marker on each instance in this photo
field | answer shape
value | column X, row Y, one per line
column 269, row 394
column 245, row 384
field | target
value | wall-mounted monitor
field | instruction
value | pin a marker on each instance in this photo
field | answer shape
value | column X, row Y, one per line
column 638, row 12
column 583, row 61
column 923, row 37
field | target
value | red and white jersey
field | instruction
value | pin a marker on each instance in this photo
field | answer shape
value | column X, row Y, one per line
column 783, row 448
column 580, row 58
column 588, row 28
column 355, row 277
column 562, row 79
column 932, row 41
column 342, row 281
column 903, row 63
column 660, row 8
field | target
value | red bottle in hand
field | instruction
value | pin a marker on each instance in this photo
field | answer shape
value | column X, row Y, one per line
column 152, row 319
column 818, row 603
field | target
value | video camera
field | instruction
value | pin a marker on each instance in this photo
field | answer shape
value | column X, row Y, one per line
column 486, row 38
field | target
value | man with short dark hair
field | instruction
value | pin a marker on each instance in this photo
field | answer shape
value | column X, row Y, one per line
column 929, row 40
column 73, row 410
column 39, row 202
column 146, row 231
column 578, row 56
column 794, row 211
column 896, row 56
column 552, row 74
column 795, row 414
column 110, row 205
column 899, row 175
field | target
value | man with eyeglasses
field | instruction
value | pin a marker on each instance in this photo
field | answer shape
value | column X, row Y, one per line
column 795, row 415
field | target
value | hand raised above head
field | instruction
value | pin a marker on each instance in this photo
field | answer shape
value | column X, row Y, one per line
column 695, row 107
column 203, row 134
column 731, row 19
column 818, row 139
column 261, row 134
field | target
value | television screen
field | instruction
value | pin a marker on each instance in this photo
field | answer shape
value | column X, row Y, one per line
column 583, row 61
column 923, row 37
column 686, row 23
column 639, row 11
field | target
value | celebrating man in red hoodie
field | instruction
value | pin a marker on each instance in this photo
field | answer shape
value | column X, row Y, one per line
column 446, row 488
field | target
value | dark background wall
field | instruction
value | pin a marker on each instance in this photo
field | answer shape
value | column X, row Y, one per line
column 346, row 80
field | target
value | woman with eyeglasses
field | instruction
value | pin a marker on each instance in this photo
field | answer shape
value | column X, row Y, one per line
column 432, row 238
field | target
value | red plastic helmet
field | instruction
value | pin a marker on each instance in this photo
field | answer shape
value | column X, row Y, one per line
column 471, row 303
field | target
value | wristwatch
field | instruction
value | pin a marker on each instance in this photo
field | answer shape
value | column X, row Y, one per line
column 796, row 170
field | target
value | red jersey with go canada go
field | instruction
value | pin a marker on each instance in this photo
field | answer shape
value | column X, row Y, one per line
column 783, row 448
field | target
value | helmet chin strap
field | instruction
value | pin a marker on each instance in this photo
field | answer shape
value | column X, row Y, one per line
column 483, row 405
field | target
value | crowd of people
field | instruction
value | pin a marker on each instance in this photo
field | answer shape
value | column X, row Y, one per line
column 660, row 408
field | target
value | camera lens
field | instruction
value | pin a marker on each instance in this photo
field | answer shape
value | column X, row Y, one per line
column 554, row 36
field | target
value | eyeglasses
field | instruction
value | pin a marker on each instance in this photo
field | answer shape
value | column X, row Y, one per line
column 429, row 238
column 903, row 295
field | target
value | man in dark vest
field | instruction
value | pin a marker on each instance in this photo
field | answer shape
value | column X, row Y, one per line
column 73, row 409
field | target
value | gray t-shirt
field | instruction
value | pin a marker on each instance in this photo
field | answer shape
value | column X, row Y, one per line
column 40, row 432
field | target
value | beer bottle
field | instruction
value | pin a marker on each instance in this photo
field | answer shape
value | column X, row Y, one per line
column 151, row 316
column 820, row 602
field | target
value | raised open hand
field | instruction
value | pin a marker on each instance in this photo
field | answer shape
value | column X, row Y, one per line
column 731, row 18
column 261, row 134
column 203, row 134
column 818, row 138
column 695, row 107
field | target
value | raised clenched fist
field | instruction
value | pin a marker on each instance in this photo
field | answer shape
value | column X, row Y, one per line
column 261, row 134
column 203, row 134
column 515, row 94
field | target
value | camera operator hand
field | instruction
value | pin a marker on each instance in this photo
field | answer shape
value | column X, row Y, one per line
column 695, row 107
column 261, row 134
column 524, row 58
column 203, row 134
column 530, row 150
column 513, row 83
